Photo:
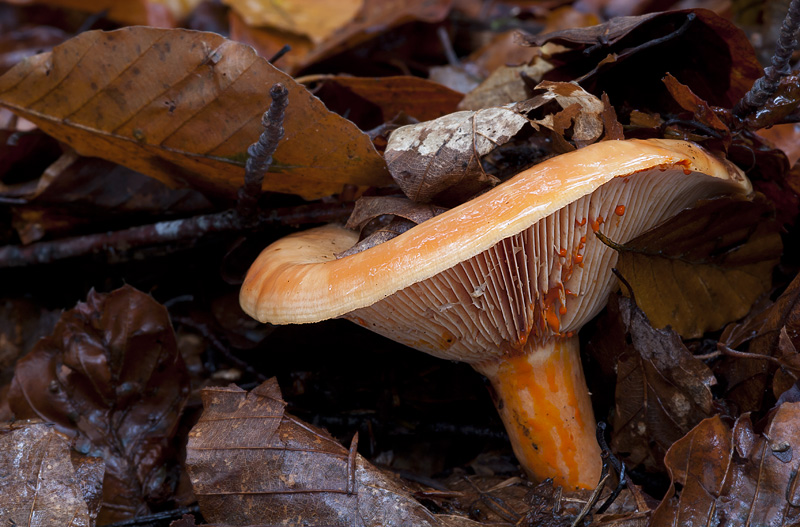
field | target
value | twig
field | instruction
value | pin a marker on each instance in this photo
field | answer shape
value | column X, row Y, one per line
column 280, row 53
column 260, row 153
column 244, row 216
column 766, row 86
column 157, row 517
column 165, row 232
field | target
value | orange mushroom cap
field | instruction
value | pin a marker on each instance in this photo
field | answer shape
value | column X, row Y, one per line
column 503, row 282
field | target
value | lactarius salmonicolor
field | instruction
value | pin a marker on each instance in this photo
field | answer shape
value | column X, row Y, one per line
column 503, row 282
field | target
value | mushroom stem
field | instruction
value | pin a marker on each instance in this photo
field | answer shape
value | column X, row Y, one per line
column 542, row 398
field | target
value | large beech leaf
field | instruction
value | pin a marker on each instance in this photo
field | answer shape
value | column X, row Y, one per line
column 111, row 376
column 42, row 482
column 735, row 477
column 662, row 389
column 183, row 106
column 704, row 267
column 252, row 464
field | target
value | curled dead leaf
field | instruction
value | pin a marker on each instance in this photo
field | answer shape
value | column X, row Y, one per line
column 110, row 375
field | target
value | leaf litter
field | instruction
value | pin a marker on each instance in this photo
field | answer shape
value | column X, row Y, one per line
column 683, row 385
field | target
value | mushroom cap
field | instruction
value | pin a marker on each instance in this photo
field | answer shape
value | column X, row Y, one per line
column 298, row 279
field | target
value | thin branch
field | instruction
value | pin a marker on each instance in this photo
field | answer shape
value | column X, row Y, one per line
column 260, row 153
column 766, row 86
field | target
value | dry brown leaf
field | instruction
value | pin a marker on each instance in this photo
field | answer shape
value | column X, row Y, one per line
column 505, row 85
column 581, row 112
column 252, row 464
column 747, row 381
column 735, row 477
column 704, row 267
column 419, row 98
column 370, row 207
column 690, row 102
column 315, row 19
column 787, row 138
column 428, row 159
column 662, row 389
column 160, row 13
column 42, row 482
column 183, row 106
column 268, row 42
column 110, row 375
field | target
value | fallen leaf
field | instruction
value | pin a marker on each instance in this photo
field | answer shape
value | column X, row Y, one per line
column 505, row 85
column 419, row 98
column 698, row 47
column 428, row 159
column 690, row 102
column 22, row 323
column 612, row 128
column 370, row 207
column 162, row 13
column 315, row 19
column 747, row 380
column 787, row 138
column 734, row 477
column 662, row 389
column 581, row 112
column 704, row 267
column 110, row 375
column 43, row 482
column 183, row 107
column 251, row 463
column 268, row 43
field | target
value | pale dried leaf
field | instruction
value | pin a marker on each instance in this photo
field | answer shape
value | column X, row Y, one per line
column 428, row 159
column 41, row 483
column 183, row 106
column 370, row 207
column 581, row 111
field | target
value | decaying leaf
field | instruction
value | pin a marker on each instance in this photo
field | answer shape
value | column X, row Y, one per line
column 162, row 13
column 505, row 85
column 748, row 380
column 735, row 477
column 704, row 267
column 110, row 375
column 662, row 390
column 690, row 102
column 183, row 106
column 428, row 159
column 581, row 112
column 628, row 57
column 253, row 464
column 315, row 19
column 419, row 98
column 370, row 207
column 42, row 482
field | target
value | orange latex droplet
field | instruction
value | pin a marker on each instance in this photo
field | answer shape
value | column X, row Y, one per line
column 620, row 210
column 581, row 223
column 552, row 318
column 583, row 239
column 562, row 253
column 562, row 310
column 578, row 259
column 596, row 223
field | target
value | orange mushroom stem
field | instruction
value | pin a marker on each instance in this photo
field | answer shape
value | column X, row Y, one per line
column 486, row 282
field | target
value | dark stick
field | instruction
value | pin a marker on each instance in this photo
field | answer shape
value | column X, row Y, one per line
column 164, row 232
column 260, row 153
column 766, row 86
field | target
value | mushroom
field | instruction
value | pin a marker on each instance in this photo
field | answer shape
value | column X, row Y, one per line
column 503, row 282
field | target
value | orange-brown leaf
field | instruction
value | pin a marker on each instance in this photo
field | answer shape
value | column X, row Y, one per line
column 183, row 107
